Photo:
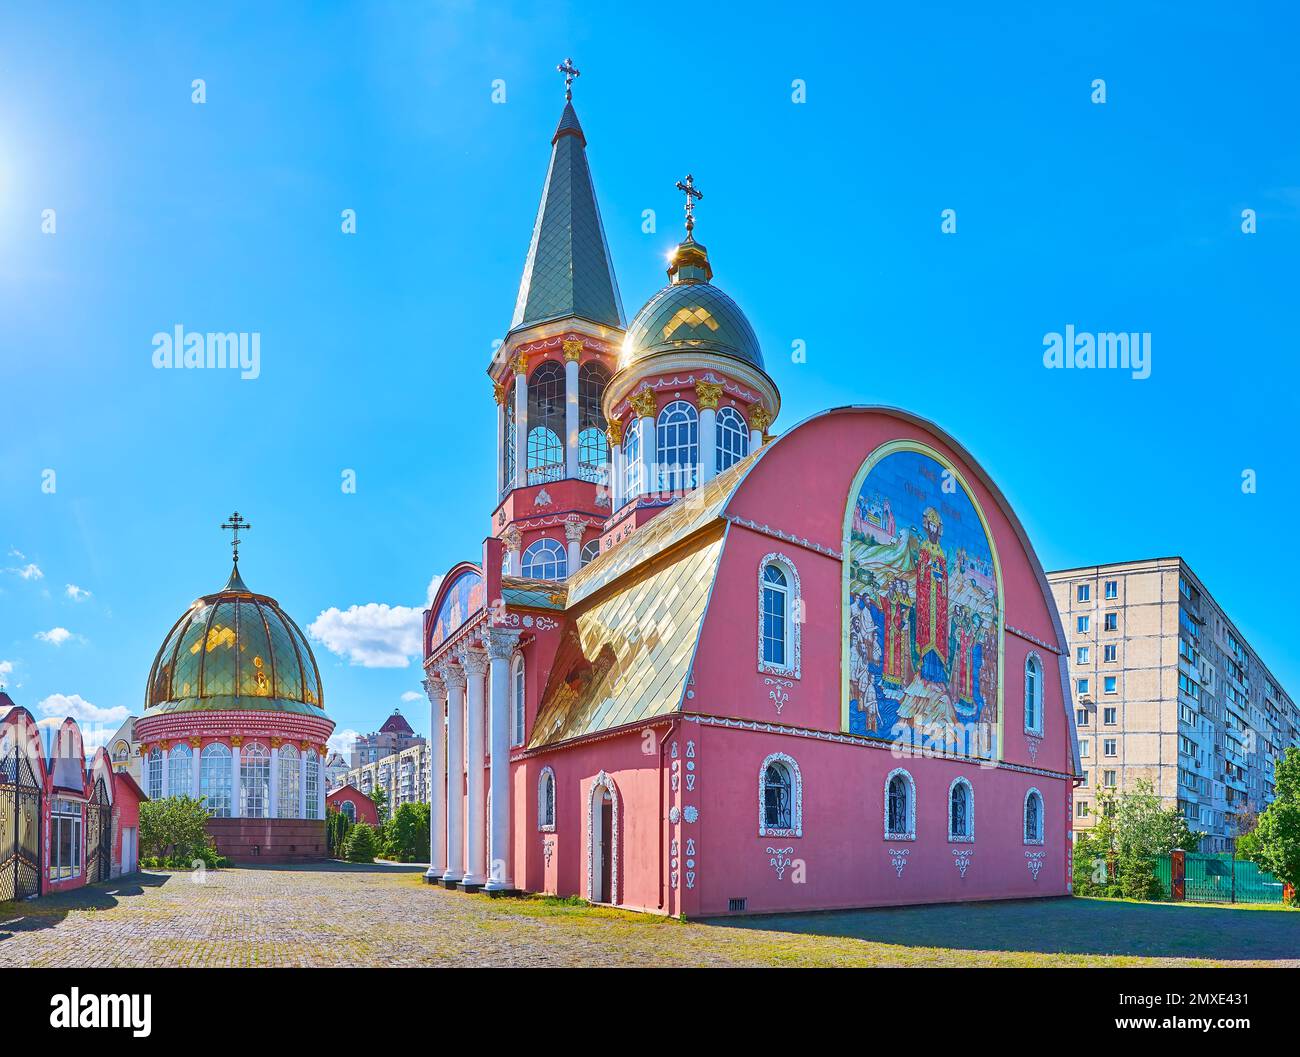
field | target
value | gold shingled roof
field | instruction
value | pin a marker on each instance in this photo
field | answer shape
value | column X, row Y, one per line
column 627, row 658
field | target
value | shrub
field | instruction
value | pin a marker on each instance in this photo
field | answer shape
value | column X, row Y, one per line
column 406, row 834
column 175, row 827
column 361, row 844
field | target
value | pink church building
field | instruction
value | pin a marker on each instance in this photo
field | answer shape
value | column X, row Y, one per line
column 703, row 668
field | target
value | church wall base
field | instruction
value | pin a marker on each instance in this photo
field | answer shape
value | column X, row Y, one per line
column 249, row 841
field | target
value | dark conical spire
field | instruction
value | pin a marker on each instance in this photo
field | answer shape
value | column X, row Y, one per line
column 568, row 271
column 236, row 582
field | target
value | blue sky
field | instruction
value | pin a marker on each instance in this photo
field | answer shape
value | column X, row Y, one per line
column 822, row 219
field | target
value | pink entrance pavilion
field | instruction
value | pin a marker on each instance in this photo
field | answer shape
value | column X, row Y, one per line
column 703, row 669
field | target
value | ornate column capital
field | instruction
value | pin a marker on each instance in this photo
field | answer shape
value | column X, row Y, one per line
column 759, row 418
column 520, row 363
column 614, row 431
column 645, row 403
column 572, row 350
column 512, row 538
column 434, row 688
column 474, row 660
column 574, row 528
column 707, row 395
column 499, row 393
column 453, row 677
column 195, row 742
column 502, row 642
column 276, row 742
column 236, row 741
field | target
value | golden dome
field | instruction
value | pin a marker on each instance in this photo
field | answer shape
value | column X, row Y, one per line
column 234, row 650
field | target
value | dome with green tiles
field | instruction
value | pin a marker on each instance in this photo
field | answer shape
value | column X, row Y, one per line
column 234, row 650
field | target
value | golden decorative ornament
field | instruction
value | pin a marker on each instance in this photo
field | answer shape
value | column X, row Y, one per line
column 759, row 418
column 572, row 349
column 520, row 363
column 236, row 741
column 614, row 431
column 499, row 394
column 276, row 742
column 707, row 395
column 305, row 744
column 196, row 743
column 164, row 745
column 644, row 403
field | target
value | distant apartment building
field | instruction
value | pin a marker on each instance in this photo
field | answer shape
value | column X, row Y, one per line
column 1166, row 688
column 404, row 776
column 394, row 736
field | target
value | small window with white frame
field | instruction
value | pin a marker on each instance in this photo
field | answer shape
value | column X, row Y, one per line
column 780, row 797
column 1033, row 695
column 780, row 615
column 900, row 805
column 1034, row 816
column 517, row 702
column 961, row 812
column 546, row 801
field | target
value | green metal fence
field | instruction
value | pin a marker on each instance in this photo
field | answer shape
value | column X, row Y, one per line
column 1219, row 879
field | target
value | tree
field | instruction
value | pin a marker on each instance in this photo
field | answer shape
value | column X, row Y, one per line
column 1277, row 835
column 361, row 844
column 406, row 834
column 379, row 795
column 175, row 828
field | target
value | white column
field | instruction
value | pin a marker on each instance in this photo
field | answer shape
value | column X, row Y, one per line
column 650, row 483
column 616, row 477
column 303, row 753
column 166, row 771
column 708, row 444
column 197, row 758
column 320, row 784
column 273, row 808
column 574, row 527
column 236, row 800
column 571, row 411
column 521, row 428
column 501, row 647
column 454, row 677
column 433, row 686
column 475, row 662
column 501, row 444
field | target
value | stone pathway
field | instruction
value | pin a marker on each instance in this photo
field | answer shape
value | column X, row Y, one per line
column 342, row 915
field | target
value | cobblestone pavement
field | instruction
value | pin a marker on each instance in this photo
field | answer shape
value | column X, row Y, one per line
column 337, row 914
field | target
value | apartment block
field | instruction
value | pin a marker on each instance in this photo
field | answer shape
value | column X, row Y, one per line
column 1166, row 688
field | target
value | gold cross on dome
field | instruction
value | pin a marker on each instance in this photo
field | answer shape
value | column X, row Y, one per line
column 570, row 72
column 234, row 526
column 692, row 195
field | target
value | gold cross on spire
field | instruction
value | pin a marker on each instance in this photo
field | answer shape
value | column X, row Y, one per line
column 235, row 525
column 692, row 195
column 570, row 72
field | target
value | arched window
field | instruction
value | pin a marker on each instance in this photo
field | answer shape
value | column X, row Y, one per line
column 1033, row 695
column 546, row 801
column 778, row 616
column 1033, row 817
column 732, row 438
column 593, row 454
column 254, row 781
column 633, row 464
column 546, row 559
column 155, row 773
column 546, row 423
column 961, row 811
column 677, row 447
column 311, row 780
column 349, row 810
column 289, row 777
column 180, row 771
column 900, row 806
column 590, row 551
column 517, row 705
column 214, row 779
column 780, row 797
column 508, row 452
column 593, row 446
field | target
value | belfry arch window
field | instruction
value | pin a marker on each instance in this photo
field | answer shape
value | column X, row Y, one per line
column 780, row 797
column 590, row 552
column 1033, row 817
column 961, row 811
column 779, row 611
column 546, row 423
column 593, row 445
column 546, row 559
column 1033, row 695
column 633, row 464
column 900, row 806
column 732, row 438
column 677, row 447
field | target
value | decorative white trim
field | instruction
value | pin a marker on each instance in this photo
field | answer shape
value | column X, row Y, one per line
column 793, row 603
column 1034, row 860
column 784, row 537
column 1024, row 813
column 796, row 794
column 961, row 859
column 780, row 860
column 969, row 838
column 1035, row 731
column 898, row 859
column 910, row 833
column 602, row 781
column 1020, row 633
column 542, row 826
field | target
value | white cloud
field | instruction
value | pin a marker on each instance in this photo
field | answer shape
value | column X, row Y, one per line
column 77, row 594
column 55, row 636
column 432, row 590
column 411, row 695
column 6, row 668
column 342, row 741
column 375, row 635
column 97, row 724
column 14, row 552
column 30, row 571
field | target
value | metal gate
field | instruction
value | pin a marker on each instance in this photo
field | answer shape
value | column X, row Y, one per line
column 20, row 827
column 99, row 835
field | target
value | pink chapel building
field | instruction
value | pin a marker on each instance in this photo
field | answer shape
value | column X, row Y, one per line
column 704, row 669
